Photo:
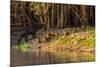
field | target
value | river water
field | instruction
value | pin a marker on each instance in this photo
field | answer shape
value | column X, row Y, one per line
column 37, row 57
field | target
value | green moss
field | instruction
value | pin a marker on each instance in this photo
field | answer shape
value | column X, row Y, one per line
column 22, row 47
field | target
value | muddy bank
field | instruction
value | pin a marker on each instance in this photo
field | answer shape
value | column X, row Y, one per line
column 51, row 48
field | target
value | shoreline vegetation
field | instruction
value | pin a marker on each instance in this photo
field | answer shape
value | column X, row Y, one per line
column 73, row 40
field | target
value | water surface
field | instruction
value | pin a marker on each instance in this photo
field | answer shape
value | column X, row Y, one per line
column 37, row 57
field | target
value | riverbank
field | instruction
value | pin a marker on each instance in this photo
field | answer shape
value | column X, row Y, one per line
column 80, row 41
column 72, row 40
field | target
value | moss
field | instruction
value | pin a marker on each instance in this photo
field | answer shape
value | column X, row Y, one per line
column 22, row 47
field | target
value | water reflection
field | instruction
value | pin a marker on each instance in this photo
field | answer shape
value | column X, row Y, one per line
column 37, row 57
